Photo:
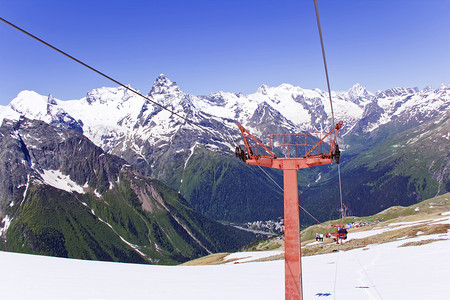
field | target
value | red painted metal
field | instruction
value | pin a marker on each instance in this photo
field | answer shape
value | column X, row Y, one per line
column 340, row 235
column 290, row 165
column 292, row 249
column 292, row 145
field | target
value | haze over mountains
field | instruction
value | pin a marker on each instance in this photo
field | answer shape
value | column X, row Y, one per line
column 395, row 152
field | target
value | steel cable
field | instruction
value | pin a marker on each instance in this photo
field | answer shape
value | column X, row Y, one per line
column 273, row 180
column 329, row 92
column 115, row 81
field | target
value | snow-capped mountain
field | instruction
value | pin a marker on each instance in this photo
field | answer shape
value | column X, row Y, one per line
column 114, row 118
column 61, row 195
column 163, row 145
column 406, row 105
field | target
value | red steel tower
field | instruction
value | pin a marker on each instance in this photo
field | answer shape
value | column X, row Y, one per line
column 300, row 151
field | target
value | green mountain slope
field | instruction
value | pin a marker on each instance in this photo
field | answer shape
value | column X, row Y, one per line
column 403, row 170
column 54, row 222
column 94, row 205
column 388, row 169
column 140, row 220
column 225, row 188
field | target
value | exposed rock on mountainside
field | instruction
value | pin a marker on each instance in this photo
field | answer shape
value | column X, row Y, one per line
column 61, row 195
column 167, row 147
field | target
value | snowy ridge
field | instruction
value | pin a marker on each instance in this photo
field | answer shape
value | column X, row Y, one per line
column 117, row 112
column 123, row 123
column 243, row 257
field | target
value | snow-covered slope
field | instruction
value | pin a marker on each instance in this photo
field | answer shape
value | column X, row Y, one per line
column 119, row 120
column 115, row 116
column 406, row 104
column 378, row 271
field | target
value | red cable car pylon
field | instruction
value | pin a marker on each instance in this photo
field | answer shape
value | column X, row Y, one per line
column 304, row 155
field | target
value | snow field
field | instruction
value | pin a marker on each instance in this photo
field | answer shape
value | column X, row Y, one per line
column 379, row 271
column 60, row 181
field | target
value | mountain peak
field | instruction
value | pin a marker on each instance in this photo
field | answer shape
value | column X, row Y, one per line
column 263, row 89
column 397, row 91
column 51, row 100
column 29, row 103
column 444, row 87
column 162, row 78
column 164, row 85
column 356, row 91
column 427, row 89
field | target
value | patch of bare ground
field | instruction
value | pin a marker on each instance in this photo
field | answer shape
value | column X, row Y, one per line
column 333, row 247
column 420, row 243
column 427, row 211
column 273, row 245
column 424, row 216
column 424, row 229
column 389, row 236
column 270, row 258
column 213, row 259
column 324, row 248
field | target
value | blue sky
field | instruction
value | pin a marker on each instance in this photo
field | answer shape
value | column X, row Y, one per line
column 233, row 45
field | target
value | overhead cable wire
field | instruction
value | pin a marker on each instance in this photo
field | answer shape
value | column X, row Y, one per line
column 340, row 191
column 128, row 88
column 329, row 93
column 270, row 177
column 114, row 80
column 273, row 180
column 141, row 95
column 324, row 59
